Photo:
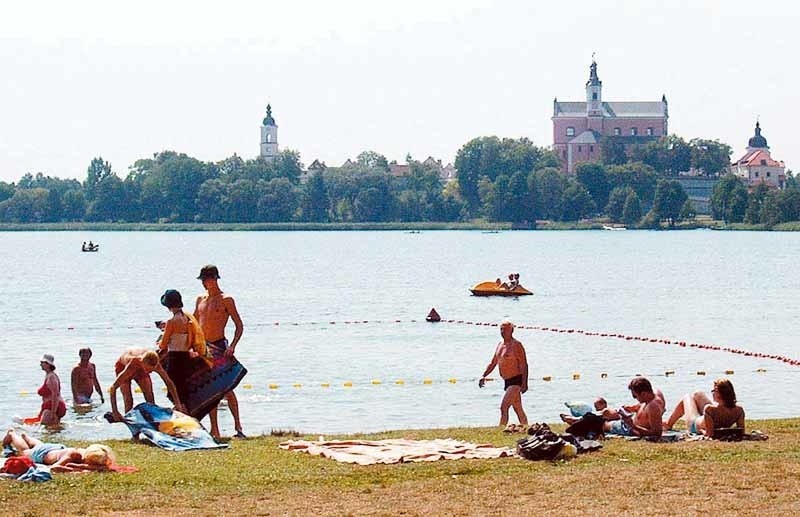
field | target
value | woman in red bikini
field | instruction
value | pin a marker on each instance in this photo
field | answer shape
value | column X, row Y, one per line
column 53, row 407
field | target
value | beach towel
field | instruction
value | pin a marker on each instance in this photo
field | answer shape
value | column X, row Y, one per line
column 365, row 452
column 22, row 468
column 208, row 383
column 168, row 429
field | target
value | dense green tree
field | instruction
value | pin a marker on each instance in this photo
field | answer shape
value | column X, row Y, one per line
column 729, row 199
column 711, row 157
column 612, row 151
column 212, row 201
column 669, row 200
column 688, row 211
column 770, row 209
column 592, row 175
column 6, row 190
column 109, row 198
column 668, row 155
column 73, row 205
column 549, row 184
column 27, row 205
column 755, row 202
column 636, row 175
column 616, row 202
column 315, row 203
column 632, row 210
column 279, row 201
column 371, row 159
column 490, row 157
column 98, row 170
column 789, row 204
column 371, row 204
column 576, row 203
column 518, row 200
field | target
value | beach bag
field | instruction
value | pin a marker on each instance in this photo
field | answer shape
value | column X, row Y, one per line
column 542, row 444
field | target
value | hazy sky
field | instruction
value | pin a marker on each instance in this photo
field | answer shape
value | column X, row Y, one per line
column 98, row 78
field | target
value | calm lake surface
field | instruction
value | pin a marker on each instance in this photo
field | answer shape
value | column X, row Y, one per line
column 734, row 289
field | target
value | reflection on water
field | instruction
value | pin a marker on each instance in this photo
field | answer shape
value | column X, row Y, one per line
column 723, row 288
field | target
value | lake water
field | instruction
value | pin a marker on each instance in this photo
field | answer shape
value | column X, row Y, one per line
column 734, row 289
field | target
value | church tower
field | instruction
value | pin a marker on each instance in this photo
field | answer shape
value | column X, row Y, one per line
column 594, row 92
column 269, row 137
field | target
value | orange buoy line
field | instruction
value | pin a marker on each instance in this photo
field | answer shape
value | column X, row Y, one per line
column 613, row 335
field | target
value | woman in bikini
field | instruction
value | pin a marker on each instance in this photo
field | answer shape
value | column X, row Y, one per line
column 179, row 341
column 703, row 416
column 136, row 364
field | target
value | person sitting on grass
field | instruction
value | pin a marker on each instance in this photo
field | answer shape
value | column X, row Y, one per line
column 704, row 416
column 601, row 409
column 59, row 457
column 646, row 420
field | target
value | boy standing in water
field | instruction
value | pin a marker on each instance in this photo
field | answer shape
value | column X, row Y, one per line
column 84, row 379
column 212, row 311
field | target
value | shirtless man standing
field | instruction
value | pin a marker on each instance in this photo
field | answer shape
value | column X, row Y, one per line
column 84, row 379
column 212, row 311
column 510, row 356
column 647, row 421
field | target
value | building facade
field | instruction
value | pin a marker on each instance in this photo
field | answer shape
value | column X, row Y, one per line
column 269, row 137
column 757, row 165
column 581, row 129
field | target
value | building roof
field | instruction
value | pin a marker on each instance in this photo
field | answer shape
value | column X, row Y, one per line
column 397, row 170
column 613, row 109
column 758, row 158
column 757, row 140
column 587, row 137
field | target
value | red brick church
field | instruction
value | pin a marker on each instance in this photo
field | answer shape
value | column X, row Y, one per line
column 581, row 128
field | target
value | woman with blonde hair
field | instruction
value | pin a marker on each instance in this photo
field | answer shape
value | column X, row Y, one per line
column 704, row 415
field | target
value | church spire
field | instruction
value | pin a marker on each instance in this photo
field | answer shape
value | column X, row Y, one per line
column 268, row 120
column 593, row 79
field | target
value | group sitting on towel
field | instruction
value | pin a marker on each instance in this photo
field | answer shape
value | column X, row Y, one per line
column 644, row 419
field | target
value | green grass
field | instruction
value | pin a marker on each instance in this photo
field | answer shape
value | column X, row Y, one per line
column 254, row 476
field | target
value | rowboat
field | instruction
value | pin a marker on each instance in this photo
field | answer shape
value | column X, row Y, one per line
column 492, row 289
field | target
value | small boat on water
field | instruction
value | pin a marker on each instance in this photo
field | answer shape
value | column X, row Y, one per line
column 94, row 247
column 491, row 288
column 613, row 228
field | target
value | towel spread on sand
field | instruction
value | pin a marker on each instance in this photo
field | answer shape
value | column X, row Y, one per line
column 364, row 452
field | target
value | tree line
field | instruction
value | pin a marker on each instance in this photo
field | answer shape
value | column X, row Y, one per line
column 498, row 179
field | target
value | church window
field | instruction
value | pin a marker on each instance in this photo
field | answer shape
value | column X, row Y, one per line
column 594, row 96
column 570, row 131
column 617, row 131
column 634, row 131
column 591, row 148
column 763, row 162
column 579, row 148
column 649, row 131
column 756, row 174
column 269, row 138
column 768, row 175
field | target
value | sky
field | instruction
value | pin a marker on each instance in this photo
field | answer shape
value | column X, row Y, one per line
column 420, row 77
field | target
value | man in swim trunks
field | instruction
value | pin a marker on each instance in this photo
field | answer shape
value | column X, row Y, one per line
column 84, row 379
column 212, row 311
column 647, row 420
column 510, row 357
column 136, row 364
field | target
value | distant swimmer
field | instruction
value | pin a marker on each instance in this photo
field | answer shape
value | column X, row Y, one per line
column 513, row 363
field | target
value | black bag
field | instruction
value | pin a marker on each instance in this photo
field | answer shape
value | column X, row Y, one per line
column 590, row 425
column 543, row 444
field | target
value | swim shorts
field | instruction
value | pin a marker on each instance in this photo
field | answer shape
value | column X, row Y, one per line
column 82, row 399
column 513, row 381
column 39, row 451
column 217, row 348
column 620, row 428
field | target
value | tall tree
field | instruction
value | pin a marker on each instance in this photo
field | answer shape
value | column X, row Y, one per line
column 315, row 199
column 632, row 211
column 98, row 170
column 592, row 175
column 729, row 199
column 669, row 200
column 711, row 157
column 616, row 202
column 577, row 203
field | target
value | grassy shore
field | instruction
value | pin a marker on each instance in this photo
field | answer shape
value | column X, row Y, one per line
column 254, row 477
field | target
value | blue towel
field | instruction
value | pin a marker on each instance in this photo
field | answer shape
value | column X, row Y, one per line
column 37, row 474
column 168, row 429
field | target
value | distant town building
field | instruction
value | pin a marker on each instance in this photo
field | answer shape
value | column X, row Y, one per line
column 399, row 170
column 317, row 166
column 580, row 129
column 269, row 137
column 757, row 165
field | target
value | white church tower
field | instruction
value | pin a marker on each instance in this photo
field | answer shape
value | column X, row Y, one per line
column 269, row 137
